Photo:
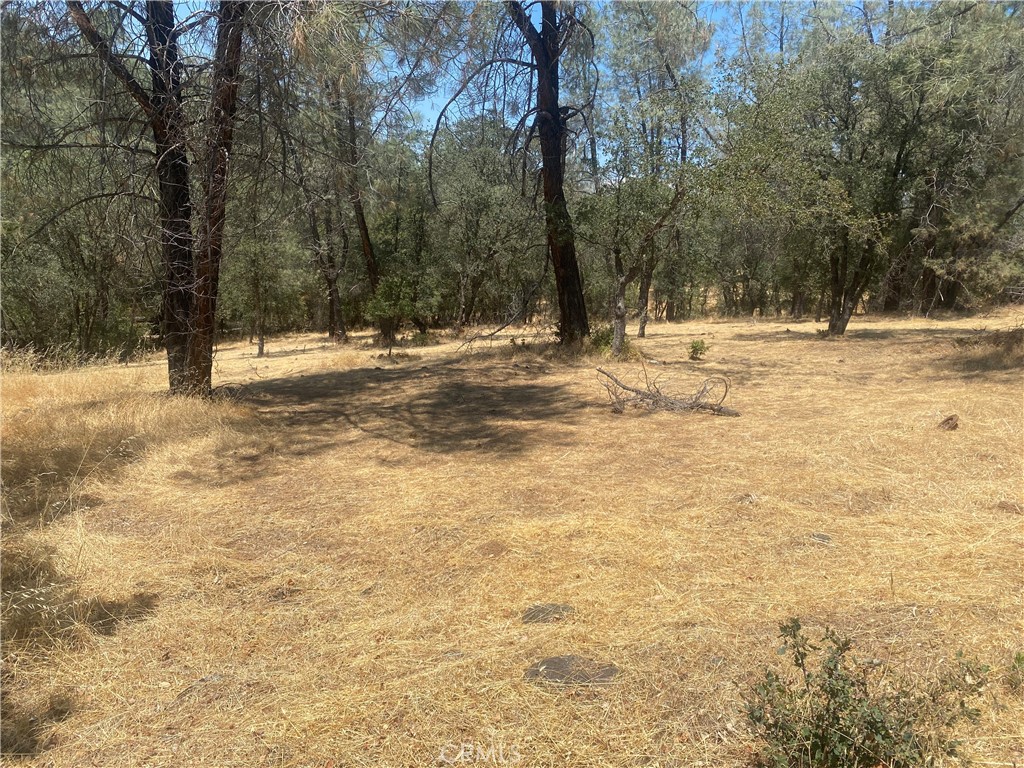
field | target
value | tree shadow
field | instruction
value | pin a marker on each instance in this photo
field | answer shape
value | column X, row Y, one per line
column 445, row 407
column 24, row 732
column 42, row 609
column 909, row 336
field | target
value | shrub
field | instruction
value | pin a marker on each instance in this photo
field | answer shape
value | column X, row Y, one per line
column 600, row 343
column 601, row 338
column 698, row 348
column 839, row 713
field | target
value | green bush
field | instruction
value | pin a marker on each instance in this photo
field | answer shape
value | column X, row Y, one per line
column 600, row 343
column 601, row 338
column 839, row 713
column 698, row 348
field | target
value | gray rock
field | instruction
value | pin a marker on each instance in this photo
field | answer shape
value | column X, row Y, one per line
column 572, row 670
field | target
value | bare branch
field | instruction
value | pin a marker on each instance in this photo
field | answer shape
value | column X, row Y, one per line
column 106, row 54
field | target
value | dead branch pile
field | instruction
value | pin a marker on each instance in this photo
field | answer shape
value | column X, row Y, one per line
column 709, row 397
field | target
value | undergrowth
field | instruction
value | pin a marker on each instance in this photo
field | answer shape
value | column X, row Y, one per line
column 599, row 344
column 838, row 712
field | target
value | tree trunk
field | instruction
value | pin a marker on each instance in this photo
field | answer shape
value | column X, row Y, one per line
column 469, row 302
column 172, row 172
column 221, row 125
column 619, row 320
column 622, row 281
column 646, row 278
column 551, row 129
column 348, row 135
column 334, row 333
column 846, row 289
column 189, row 292
column 798, row 305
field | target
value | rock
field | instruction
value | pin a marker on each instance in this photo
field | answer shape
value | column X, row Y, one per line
column 572, row 670
column 546, row 613
column 821, row 538
column 950, row 423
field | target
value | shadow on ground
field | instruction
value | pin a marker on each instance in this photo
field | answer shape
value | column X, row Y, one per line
column 916, row 336
column 444, row 407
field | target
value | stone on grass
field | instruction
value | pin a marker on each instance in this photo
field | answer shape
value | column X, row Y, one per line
column 572, row 670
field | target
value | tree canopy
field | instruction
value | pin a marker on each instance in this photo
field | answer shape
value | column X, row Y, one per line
column 175, row 171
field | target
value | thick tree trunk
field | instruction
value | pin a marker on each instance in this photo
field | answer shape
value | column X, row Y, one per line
column 172, row 172
column 190, row 291
column 619, row 320
column 798, row 305
column 221, row 125
column 551, row 129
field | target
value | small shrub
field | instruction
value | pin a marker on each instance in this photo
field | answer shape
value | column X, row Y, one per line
column 600, row 343
column 837, row 714
column 698, row 348
column 422, row 339
column 601, row 338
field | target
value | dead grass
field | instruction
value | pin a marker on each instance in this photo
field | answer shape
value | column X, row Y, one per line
column 339, row 554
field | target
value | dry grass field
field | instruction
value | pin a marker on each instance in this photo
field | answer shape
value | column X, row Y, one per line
column 328, row 565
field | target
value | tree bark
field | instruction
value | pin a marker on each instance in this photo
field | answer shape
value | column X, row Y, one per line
column 646, row 278
column 189, row 297
column 551, row 129
column 221, row 125
column 846, row 289
column 622, row 281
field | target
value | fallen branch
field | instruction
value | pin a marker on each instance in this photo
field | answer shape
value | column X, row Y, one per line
column 709, row 397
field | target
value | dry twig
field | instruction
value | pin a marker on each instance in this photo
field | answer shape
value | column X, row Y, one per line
column 709, row 397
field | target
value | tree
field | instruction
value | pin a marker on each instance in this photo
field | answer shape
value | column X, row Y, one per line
column 547, row 44
column 364, row 63
column 71, row 192
column 191, row 257
column 654, row 51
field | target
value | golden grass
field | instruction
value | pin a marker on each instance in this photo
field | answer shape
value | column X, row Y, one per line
column 339, row 554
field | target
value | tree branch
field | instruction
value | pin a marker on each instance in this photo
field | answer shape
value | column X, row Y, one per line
column 522, row 21
column 106, row 54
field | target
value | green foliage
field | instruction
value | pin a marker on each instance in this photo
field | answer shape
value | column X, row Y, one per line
column 601, row 337
column 600, row 340
column 264, row 284
column 849, row 156
column 698, row 348
column 841, row 713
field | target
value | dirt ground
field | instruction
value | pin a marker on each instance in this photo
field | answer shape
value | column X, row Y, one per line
column 328, row 565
